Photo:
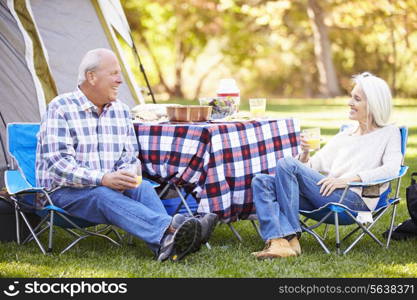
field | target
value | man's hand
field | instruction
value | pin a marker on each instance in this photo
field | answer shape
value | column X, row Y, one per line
column 119, row 180
column 329, row 184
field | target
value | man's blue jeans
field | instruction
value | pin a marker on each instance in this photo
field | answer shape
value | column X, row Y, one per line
column 138, row 211
column 278, row 198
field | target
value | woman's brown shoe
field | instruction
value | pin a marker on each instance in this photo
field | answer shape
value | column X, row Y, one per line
column 277, row 248
column 267, row 244
column 295, row 245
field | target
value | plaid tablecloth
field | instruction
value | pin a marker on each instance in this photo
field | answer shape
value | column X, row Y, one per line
column 219, row 158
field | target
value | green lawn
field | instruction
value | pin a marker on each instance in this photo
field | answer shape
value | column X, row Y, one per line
column 229, row 258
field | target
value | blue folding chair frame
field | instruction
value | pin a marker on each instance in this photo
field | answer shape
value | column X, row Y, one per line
column 185, row 203
column 338, row 214
column 21, row 186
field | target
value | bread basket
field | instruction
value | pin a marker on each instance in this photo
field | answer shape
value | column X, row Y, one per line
column 189, row 113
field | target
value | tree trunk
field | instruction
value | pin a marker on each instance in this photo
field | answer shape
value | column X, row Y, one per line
column 329, row 85
column 394, row 54
column 179, row 64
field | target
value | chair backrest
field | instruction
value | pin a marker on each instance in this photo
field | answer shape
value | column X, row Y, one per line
column 404, row 137
column 22, row 143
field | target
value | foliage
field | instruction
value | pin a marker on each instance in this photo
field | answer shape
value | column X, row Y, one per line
column 268, row 46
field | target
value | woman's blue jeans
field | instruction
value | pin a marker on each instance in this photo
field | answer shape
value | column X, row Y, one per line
column 278, row 198
column 138, row 211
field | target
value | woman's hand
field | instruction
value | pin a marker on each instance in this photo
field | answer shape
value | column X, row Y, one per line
column 305, row 150
column 329, row 184
column 305, row 147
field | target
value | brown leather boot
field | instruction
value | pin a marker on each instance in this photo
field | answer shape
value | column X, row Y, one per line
column 277, row 248
column 267, row 244
column 295, row 245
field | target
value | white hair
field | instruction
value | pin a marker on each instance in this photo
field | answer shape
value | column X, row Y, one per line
column 378, row 96
column 90, row 62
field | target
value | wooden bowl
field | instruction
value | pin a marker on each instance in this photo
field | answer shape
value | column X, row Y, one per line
column 189, row 113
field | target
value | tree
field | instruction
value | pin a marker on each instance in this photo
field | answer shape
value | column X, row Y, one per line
column 173, row 33
column 329, row 86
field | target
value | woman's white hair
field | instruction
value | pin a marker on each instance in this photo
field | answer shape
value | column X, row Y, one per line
column 378, row 96
column 90, row 62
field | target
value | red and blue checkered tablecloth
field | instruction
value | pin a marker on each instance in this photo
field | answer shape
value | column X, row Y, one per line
column 219, row 158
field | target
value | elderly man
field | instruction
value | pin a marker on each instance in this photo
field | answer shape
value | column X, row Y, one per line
column 86, row 147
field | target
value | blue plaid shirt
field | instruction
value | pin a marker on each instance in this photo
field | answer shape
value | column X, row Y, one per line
column 76, row 146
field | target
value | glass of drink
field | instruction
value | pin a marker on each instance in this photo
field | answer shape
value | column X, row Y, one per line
column 312, row 135
column 257, row 107
column 136, row 169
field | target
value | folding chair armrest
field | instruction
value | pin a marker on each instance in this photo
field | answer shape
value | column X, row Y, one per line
column 15, row 182
column 401, row 173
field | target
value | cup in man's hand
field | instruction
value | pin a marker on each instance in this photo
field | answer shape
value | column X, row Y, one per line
column 136, row 169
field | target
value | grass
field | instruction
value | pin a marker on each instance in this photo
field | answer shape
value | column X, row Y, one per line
column 228, row 258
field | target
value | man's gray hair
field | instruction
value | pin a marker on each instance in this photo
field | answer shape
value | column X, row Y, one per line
column 90, row 62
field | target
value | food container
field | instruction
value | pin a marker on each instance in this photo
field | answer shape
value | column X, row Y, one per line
column 222, row 106
column 189, row 113
column 228, row 88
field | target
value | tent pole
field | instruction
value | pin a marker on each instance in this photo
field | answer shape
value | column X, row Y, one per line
column 142, row 69
column 2, row 144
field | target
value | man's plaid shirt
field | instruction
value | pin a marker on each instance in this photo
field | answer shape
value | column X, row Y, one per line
column 76, row 146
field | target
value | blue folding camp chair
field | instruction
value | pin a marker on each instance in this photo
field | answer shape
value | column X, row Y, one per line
column 21, row 186
column 338, row 214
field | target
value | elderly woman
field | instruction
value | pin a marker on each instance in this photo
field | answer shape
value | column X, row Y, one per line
column 368, row 151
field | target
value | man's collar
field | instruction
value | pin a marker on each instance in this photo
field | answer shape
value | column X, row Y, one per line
column 85, row 103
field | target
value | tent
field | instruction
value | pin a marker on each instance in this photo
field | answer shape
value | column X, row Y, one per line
column 41, row 45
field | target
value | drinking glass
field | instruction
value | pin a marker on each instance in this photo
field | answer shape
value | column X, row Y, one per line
column 257, row 107
column 136, row 169
column 312, row 135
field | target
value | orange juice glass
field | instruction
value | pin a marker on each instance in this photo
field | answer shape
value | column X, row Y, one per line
column 257, row 107
column 136, row 169
column 312, row 135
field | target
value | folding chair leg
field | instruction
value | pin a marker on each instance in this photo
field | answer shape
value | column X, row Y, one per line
column 87, row 233
column 326, row 231
column 184, row 202
column 51, row 231
column 119, row 237
column 391, row 227
column 16, row 212
column 351, row 233
column 336, row 223
column 365, row 231
column 163, row 190
column 235, row 232
column 38, row 233
column 317, row 237
column 256, row 228
column 32, row 232
column 129, row 239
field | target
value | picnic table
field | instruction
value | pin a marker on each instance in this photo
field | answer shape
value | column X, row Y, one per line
column 218, row 158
